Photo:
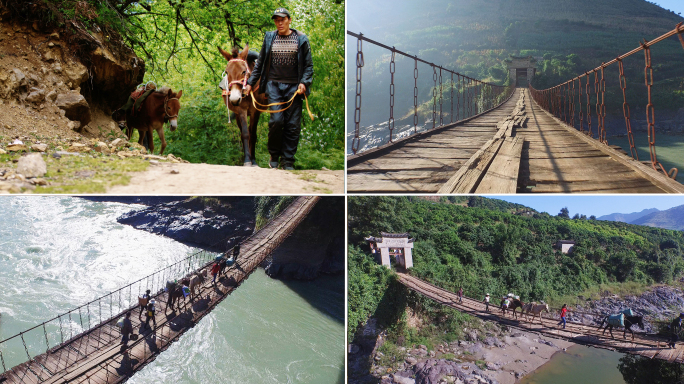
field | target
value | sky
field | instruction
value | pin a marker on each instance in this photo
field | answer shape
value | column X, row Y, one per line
column 672, row 5
column 594, row 205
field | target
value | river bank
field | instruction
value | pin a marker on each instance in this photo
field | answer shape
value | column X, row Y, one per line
column 492, row 353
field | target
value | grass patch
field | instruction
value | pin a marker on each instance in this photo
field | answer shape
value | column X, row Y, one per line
column 392, row 355
column 481, row 364
column 449, row 356
column 88, row 174
column 326, row 191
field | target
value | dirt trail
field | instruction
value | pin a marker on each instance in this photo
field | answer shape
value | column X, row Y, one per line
column 209, row 179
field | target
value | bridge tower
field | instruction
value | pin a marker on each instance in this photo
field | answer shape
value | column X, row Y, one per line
column 398, row 245
column 521, row 67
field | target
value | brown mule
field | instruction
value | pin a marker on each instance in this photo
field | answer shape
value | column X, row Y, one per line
column 238, row 69
column 161, row 106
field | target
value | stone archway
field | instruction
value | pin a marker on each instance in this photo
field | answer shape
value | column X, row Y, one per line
column 398, row 245
column 521, row 67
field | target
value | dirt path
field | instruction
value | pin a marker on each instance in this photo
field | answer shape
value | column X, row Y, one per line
column 208, row 179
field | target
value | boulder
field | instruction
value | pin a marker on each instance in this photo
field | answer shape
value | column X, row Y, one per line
column 77, row 73
column 77, row 147
column 36, row 95
column 17, row 148
column 51, row 96
column 32, row 165
column 39, row 147
column 75, row 106
column 102, row 147
column 116, row 142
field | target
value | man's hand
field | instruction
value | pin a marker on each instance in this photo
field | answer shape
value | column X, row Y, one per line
column 247, row 88
column 301, row 89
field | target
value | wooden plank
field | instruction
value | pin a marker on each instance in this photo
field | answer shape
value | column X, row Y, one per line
column 502, row 175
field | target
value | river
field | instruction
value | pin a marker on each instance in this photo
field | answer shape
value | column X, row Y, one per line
column 57, row 253
column 580, row 364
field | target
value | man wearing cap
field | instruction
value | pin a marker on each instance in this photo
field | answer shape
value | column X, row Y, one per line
column 285, row 67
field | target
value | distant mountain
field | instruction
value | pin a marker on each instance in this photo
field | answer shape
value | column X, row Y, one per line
column 672, row 218
column 628, row 217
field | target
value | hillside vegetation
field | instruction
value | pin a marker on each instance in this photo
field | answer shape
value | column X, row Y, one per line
column 178, row 42
column 474, row 37
column 496, row 251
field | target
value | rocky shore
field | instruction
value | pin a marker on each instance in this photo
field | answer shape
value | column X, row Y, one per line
column 492, row 353
column 662, row 303
column 197, row 221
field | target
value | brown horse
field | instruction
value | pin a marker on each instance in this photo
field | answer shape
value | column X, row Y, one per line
column 238, row 69
column 161, row 106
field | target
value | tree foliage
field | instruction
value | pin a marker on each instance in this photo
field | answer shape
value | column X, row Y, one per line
column 501, row 251
column 178, row 40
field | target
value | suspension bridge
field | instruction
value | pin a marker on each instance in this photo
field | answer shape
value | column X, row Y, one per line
column 502, row 139
column 647, row 345
column 84, row 344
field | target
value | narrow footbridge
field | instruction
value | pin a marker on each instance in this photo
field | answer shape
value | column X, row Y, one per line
column 84, row 345
column 650, row 346
column 508, row 140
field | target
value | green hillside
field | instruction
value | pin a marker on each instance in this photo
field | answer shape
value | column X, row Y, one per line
column 473, row 37
column 496, row 252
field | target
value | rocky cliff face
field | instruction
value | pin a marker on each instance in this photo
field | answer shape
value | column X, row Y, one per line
column 57, row 79
column 197, row 220
column 315, row 247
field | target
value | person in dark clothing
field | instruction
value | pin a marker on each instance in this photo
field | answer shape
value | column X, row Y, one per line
column 236, row 252
column 150, row 314
column 126, row 329
column 460, row 294
column 143, row 303
column 285, row 67
column 675, row 328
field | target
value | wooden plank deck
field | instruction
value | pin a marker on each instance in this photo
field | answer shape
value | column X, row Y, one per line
column 650, row 346
column 515, row 148
column 425, row 162
column 95, row 356
column 558, row 158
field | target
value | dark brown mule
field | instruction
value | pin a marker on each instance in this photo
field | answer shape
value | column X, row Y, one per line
column 238, row 69
column 161, row 106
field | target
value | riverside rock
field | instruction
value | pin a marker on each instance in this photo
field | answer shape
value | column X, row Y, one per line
column 32, row 165
column 75, row 106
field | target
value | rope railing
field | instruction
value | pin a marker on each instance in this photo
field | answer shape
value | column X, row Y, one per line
column 470, row 96
column 562, row 101
column 84, row 321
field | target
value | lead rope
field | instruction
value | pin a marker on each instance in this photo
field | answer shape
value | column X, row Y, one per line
column 254, row 103
column 225, row 93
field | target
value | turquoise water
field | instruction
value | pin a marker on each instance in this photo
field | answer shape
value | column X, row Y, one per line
column 579, row 364
column 57, row 253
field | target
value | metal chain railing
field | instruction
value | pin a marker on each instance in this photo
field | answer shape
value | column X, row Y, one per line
column 549, row 100
column 118, row 303
column 478, row 96
column 390, row 122
column 357, row 100
column 415, row 96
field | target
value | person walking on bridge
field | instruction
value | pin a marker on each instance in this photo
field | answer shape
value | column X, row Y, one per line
column 214, row 271
column 564, row 312
column 486, row 301
column 460, row 294
column 150, row 313
column 236, row 251
column 675, row 328
column 285, row 68
column 144, row 300
column 126, row 329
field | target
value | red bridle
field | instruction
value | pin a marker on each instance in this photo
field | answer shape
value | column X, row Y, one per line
column 242, row 82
